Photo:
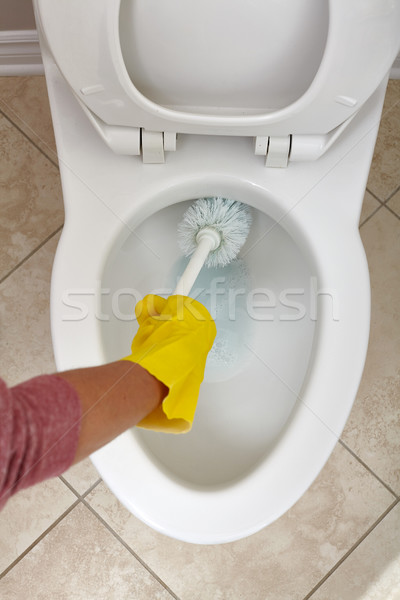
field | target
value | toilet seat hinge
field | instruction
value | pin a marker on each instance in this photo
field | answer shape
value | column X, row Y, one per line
column 276, row 149
column 154, row 144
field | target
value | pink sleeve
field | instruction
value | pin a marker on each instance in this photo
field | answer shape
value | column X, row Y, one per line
column 39, row 431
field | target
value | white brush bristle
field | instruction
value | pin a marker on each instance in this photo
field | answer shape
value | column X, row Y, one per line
column 229, row 218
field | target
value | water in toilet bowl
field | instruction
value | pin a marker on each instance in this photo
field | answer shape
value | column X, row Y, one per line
column 223, row 291
column 261, row 305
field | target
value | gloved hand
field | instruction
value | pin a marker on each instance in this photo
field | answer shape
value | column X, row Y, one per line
column 172, row 343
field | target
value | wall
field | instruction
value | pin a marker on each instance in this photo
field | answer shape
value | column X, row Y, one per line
column 19, row 44
column 16, row 15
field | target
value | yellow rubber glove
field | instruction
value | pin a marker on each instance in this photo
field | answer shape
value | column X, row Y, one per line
column 172, row 343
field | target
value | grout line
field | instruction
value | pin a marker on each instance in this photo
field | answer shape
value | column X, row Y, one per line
column 69, row 486
column 392, row 211
column 96, row 483
column 74, row 491
column 28, row 256
column 382, row 203
column 349, row 552
column 127, row 547
column 39, row 539
column 375, row 196
column 392, row 194
column 30, row 140
column 369, row 469
column 371, row 215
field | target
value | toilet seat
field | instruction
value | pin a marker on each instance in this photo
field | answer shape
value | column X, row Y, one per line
column 85, row 41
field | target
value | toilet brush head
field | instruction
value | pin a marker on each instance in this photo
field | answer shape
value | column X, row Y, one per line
column 229, row 218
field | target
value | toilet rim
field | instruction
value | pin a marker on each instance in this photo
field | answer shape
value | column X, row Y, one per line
column 213, row 515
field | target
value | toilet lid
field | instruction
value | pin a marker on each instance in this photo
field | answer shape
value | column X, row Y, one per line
column 224, row 67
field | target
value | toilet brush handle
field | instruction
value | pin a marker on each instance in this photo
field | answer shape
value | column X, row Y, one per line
column 206, row 243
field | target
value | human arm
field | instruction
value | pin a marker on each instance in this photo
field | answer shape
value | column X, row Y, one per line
column 50, row 422
column 53, row 421
column 114, row 397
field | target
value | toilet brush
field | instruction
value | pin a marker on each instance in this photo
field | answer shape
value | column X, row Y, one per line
column 212, row 232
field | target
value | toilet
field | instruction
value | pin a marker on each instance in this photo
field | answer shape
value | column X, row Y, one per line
column 277, row 105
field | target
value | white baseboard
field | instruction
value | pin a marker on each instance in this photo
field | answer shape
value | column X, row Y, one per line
column 20, row 53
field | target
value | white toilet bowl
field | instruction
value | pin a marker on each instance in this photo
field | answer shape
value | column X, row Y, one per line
column 292, row 314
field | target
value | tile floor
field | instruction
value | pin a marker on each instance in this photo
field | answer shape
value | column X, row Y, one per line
column 70, row 538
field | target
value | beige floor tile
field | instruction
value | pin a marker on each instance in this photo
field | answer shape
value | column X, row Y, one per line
column 394, row 202
column 384, row 174
column 284, row 561
column 24, row 100
column 31, row 206
column 82, row 476
column 372, row 430
column 392, row 94
column 25, row 340
column 27, row 515
column 80, row 559
column 370, row 204
column 372, row 571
